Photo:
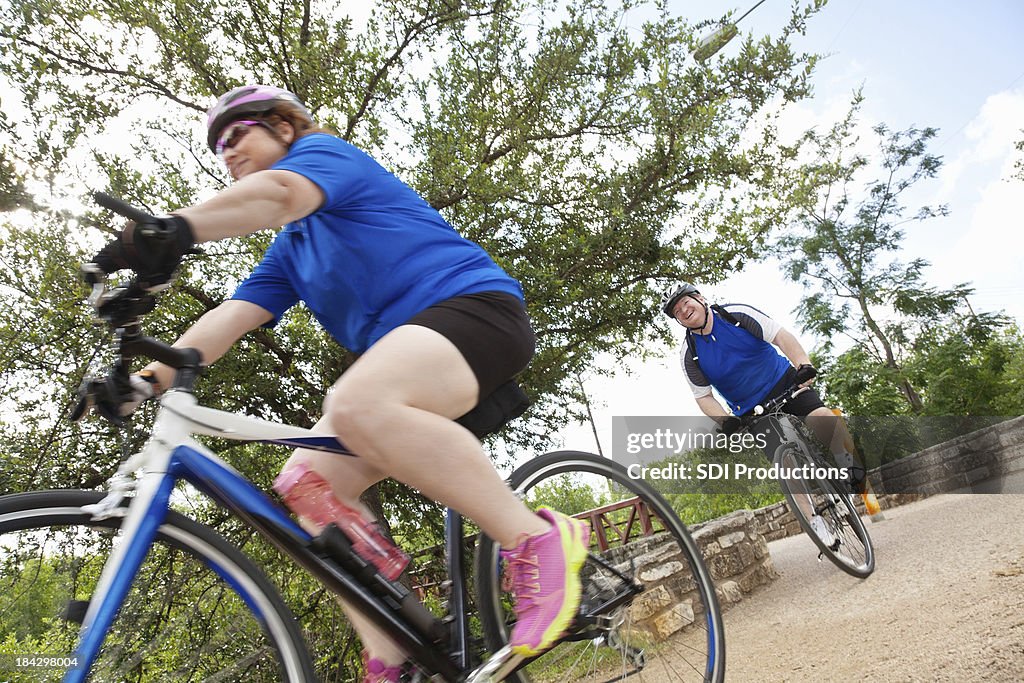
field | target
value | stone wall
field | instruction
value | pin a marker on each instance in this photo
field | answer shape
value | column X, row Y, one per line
column 735, row 553
column 980, row 461
column 989, row 460
column 775, row 522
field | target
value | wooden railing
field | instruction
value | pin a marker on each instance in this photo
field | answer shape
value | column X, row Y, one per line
column 601, row 521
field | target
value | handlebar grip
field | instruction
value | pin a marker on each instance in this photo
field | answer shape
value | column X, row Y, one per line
column 120, row 207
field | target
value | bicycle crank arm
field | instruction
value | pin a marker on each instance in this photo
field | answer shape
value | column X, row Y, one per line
column 501, row 664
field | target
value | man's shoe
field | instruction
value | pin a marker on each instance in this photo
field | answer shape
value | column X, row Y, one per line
column 544, row 572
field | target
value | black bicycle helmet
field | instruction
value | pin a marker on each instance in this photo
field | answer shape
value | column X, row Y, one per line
column 673, row 294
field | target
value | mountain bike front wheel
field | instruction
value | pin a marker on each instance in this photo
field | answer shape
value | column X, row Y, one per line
column 669, row 629
column 825, row 513
column 197, row 610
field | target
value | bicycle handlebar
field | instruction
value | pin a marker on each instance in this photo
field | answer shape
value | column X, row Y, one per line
column 782, row 399
column 122, row 307
column 771, row 406
column 120, row 207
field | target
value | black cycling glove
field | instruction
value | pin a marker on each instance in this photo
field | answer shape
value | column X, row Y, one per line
column 731, row 425
column 805, row 373
column 153, row 249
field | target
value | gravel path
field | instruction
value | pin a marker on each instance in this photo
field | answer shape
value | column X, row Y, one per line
column 946, row 602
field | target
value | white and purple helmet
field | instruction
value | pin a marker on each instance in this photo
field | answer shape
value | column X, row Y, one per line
column 245, row 101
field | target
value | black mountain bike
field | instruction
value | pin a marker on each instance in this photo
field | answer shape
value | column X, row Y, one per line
column 817, row 496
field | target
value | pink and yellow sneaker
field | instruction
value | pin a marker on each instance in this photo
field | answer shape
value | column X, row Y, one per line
column 544, row 573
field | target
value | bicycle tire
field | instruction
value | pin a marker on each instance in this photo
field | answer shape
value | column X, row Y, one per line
column 850, row 548
column 184, row 618
column 692, row 645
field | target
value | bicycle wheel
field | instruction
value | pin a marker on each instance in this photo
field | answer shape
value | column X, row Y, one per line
column 671, row 631
column 198, row 610
column 840, row 534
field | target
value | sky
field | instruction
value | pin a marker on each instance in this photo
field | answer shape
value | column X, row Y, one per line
column 955, row 66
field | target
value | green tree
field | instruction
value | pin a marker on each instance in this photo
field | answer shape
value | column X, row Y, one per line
column 701, row 498
column 572, row 147
column 12, row 185
column 564, row 144
column 963, row 368
column 576, row 141
column 568, row 496
column 842, row 249
column 968, row 372
column 855, row 381
column 1010, row 400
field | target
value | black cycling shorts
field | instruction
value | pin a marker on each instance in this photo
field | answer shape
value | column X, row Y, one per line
column 490, row 329
column 805, row 402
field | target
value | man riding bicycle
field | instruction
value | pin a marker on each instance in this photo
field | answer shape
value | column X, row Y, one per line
column 735, row 350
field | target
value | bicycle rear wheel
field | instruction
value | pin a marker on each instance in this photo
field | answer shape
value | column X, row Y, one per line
column 840, row 534
column 671, row 631
column 197, row 610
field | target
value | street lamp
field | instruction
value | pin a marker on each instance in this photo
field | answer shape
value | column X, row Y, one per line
column 717, row 39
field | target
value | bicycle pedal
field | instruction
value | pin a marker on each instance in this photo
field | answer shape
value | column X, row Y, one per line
column 500, row 665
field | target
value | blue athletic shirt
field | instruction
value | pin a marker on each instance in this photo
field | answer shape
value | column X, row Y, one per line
column 371, row 257
column 738, row 361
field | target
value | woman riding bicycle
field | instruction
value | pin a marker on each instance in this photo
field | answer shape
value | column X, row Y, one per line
column 437, row 325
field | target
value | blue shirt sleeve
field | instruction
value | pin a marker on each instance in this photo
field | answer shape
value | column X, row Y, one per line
column 340, row 170
column 269, row 286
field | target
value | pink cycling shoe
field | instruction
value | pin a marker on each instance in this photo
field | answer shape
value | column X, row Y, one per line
column 544, row 572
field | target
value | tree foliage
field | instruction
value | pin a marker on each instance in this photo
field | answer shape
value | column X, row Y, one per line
column 706, row 494
column 969, row 377
column 590, row 158
column 559, row 138
column 918, row 350
column 842, row 248
column 969, row 367
column 576, row 141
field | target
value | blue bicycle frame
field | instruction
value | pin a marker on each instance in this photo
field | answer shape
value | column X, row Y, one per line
column 172, row 455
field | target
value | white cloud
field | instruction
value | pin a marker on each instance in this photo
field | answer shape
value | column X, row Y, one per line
column 998, row 125
column 989, row 252
column 987, row 240
column 990, row 139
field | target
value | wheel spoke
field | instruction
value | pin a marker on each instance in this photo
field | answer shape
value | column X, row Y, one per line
column 847, row 545
column 183, row 618
column 660, row 634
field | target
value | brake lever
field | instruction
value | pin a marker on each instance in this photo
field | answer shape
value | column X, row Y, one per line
column 94, row 275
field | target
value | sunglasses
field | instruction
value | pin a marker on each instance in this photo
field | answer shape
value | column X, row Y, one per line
column 233, row 134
